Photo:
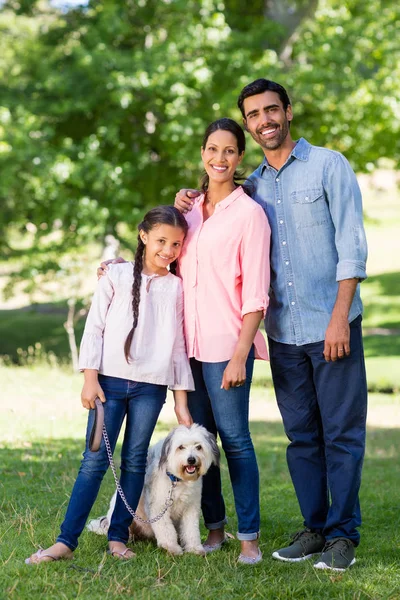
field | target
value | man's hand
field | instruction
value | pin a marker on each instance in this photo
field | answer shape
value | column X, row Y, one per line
column 102, row 269
column 184, row 200
column 337, row 339
column 234, row 374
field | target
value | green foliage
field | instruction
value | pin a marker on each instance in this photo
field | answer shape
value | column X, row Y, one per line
column 104, row 106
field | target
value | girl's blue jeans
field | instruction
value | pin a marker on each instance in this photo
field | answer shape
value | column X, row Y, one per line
column 226, row 412
column 141, row 403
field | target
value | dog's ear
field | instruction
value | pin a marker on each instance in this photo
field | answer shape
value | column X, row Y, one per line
column 166, row 449
column 214, row 447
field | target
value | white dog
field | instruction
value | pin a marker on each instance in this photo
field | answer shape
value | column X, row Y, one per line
column 183, row 457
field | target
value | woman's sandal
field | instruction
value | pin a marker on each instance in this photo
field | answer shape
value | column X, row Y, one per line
column 41, row 554
column 250, row 560
column 217, row 546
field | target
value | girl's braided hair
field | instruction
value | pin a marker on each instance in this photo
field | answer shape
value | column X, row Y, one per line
column 160, row 215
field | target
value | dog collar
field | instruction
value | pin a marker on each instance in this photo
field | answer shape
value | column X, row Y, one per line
column 173, row 477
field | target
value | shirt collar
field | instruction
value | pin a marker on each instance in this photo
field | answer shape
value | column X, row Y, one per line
column 226, row 201
column 301, row 151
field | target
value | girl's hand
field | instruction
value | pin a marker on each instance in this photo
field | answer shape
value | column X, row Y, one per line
column 181, row 408
column 90, row 391
column 183, row 415
column 234, row 374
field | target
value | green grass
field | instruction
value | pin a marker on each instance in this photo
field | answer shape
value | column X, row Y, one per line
column 39, row 458
column 43, row 324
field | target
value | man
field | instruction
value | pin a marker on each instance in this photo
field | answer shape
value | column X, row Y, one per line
column 318, row 256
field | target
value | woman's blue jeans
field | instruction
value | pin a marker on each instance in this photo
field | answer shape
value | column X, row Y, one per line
column 141, row 403
column 226, row 412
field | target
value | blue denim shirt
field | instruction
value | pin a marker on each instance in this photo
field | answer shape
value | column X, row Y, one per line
column 314, row 208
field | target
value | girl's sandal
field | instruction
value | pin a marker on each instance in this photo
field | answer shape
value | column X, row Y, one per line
column 121, row 555
column 42, row 554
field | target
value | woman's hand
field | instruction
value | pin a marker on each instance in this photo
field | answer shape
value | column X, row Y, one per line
column 103, row 268
column 184, row 200
column 91, row 389
column 234, row 374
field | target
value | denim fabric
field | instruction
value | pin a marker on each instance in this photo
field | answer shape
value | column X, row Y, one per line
column 324, row 407
column 227, row 413
column 313, row 204
column 141, row 403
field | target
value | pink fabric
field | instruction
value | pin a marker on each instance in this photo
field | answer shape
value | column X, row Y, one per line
column 225, row 271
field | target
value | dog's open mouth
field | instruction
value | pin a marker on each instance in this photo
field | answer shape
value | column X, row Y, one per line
column 190, row 469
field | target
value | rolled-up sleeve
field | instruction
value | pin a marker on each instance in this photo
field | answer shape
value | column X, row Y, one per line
column 254, row 262
column 91, row 348
column 345, row 205
column 183, row 378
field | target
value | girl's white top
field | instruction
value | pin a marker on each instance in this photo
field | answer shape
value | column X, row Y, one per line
column 158, row 352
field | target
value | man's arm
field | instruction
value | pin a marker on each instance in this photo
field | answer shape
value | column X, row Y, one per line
column 337, row 335
column 345, row 205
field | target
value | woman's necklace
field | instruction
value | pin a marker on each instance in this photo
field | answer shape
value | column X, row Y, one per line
column 214, row 204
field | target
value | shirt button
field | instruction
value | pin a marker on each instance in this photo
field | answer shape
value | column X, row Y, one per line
column 290, row 283
column 277, row 179
column 293, row 303
column 286, row 262
column 284, row 243
column 281, row 221
column 279, row 201
column 306, row 198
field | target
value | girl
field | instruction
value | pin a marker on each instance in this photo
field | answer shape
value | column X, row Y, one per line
column 225, row 271
column 132, row 349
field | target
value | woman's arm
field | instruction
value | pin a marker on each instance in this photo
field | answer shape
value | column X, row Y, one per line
column 254, row 262
column 235, row 372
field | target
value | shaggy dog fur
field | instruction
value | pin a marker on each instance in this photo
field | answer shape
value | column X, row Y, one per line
column 187, row 454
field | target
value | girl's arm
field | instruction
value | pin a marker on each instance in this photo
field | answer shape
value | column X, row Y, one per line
column 181, row 408
column 235, row 372
column 91, row 348
column 91, row 389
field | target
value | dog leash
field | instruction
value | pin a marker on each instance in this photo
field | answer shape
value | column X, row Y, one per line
column 99, row 425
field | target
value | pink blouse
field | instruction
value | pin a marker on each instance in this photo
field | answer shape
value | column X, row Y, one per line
column 224, row 266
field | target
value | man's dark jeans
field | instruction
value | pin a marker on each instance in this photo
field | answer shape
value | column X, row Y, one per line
column 324, row 408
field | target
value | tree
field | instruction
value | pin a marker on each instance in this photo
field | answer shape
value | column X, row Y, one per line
column 105, row 104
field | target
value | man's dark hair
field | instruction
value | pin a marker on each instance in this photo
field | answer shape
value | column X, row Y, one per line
column 259, row 86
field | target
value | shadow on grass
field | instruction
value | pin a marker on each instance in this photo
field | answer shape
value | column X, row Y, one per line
column 52, row 465
column 381, row 294
column 381, row 345
column 38, row 323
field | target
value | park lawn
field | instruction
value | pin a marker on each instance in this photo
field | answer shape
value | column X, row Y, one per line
column 42, row 435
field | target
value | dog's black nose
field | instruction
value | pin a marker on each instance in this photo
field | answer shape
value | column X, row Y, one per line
column 191, row 460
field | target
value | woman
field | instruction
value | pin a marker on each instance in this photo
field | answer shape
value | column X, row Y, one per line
column 224, row 267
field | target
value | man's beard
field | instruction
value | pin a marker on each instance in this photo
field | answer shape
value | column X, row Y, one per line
column 277, row 141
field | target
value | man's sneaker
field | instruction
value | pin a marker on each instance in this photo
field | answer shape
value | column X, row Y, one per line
column 337, row 555
column 305, row 544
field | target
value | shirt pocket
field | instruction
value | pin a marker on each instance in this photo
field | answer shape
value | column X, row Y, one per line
column 310, row 207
